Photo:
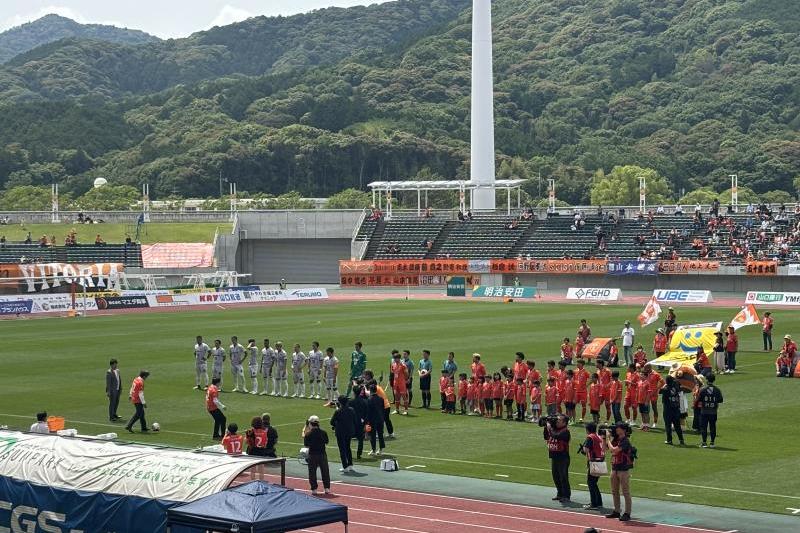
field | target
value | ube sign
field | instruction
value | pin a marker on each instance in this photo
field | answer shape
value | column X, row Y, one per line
column 682, row 296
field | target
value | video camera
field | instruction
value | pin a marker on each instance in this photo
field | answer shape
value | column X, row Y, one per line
column 544, row 420
column 605, row 429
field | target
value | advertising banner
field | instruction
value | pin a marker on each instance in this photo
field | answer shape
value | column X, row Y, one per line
column 503, row 292
column 16, row 307
column 50, row 303
column 397, row 280
column 122, row 302
column 549, row 266
column 682, row 296
column 596, row 294
column 37, row 277
column 794, row 270
column 681, row 267
column 773, row 298
column 479, row 266
column 456, row 286
column 633, row 268
column 762, row 268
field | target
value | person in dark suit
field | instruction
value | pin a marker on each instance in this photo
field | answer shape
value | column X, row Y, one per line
column 344, row 426
column 360, row 405
column 113, row 390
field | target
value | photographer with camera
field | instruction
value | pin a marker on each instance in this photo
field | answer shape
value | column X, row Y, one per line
column 557, row 436
column 622, row 457
column 315, row 439
column 594, row 450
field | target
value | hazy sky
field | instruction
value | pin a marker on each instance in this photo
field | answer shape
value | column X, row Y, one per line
column 164, row 18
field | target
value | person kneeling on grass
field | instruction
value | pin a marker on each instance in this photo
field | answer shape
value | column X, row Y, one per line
column 782, row 365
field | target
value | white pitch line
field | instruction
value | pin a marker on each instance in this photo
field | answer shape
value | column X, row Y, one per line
column 675, row 495
column 500, row 475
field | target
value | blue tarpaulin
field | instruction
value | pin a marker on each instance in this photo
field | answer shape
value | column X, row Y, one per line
column 256, row 507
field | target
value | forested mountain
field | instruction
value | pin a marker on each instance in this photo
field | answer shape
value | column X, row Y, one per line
column 52, row 28
column 694, row 89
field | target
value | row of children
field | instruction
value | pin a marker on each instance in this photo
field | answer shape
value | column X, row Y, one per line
column 518, row 389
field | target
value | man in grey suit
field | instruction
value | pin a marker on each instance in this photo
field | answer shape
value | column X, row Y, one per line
column 113, row 389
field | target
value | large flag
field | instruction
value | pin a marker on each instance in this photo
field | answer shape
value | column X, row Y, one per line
column 684, row 344
column 746, row 317
column 650, row 313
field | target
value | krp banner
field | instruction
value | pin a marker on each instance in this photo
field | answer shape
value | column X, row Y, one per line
column 503, row 292
column 685, row 341
column 633, row 268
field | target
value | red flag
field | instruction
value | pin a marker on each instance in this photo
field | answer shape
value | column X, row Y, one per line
column 746, row 317
column 650, row 313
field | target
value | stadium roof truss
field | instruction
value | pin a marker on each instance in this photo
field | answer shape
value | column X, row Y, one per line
column 382, row 191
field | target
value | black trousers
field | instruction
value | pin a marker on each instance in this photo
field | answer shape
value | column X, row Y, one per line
column 767, row 340
column 138, row 415
column 673, row 420
column 708, row 424
column 360, row 440
column 219, row 423
column 559, row 466
column 377, row 434
column 318, row 461
column 595, row 496
column 345, row 453
column 113, row 404
column 387, row 420
column 425, row 389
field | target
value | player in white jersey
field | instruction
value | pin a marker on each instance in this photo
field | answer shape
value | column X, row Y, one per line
column 237, row 354
column 314, row 371
column 201, row 355
column 280, row 371
column 298, row 363
column 252, row 354
column 267, row 361
column 330, row 369
column 218, row 353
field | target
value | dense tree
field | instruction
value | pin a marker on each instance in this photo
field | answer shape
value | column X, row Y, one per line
column 108, row 198
column 777, row 197
column 349, row 199
column 26, row 198
column 621, row 187
column 702, row 196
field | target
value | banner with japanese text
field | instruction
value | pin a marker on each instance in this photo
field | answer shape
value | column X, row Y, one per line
column 548, row 266
column 762, row 268
column 684, row 266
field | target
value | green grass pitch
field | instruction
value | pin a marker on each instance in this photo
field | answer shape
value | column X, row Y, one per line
column 58, row 364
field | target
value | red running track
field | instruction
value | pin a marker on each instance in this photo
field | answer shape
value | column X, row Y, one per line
column 375, row 509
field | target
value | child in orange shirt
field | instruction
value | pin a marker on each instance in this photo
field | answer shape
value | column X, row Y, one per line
column 639, row 356
column 462, row 392
column 631, row 401
column 643, row 398
column 579, row 344
column 232, row 442
column 604, row 378
column 519, row 397
column 486, row 396
column 450, row 394
column 443, row 381
column 509, row 393
column 569, row 395
column 536, row 399
column 551, row 397
column 595, row 398
column 566, row 351
column 472, row 396
column 615, row 396
column 497, row 394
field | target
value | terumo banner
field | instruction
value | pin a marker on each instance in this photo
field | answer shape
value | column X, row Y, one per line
column 682, row 296
column 44, row 276
column 595, row 294
column 773, row 298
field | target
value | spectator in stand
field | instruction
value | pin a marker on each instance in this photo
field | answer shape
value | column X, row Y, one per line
column 40, row 426
column 98, row 240
column 28, row 239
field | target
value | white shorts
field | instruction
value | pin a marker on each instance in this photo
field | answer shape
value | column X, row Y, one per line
column 331, row 384
column 280, row 374
column 297, row 377
column 201, row 368
column 313, row 375
column 253, row 371
column 237, row 369
column 217, row 372
column 267, row 371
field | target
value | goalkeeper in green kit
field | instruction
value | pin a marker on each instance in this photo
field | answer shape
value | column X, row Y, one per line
column 358, row 363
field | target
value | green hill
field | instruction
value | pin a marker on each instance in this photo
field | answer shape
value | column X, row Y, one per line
column 52, row 28
column 695, row 89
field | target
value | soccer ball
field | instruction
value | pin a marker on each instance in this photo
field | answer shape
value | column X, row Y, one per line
column 156, row 426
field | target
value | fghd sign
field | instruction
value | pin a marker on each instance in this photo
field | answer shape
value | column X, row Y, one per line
column 594, row 294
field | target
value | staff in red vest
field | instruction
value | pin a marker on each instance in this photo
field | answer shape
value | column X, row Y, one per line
column 660, row 343
column 136, row 397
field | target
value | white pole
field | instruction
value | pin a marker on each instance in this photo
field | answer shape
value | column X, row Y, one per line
column 482, row 167
column 735, row 192
column 642, row 194
column 551, row 194
column 146, row 202
column 55, row 218
column 508, row 201
column 419, row 212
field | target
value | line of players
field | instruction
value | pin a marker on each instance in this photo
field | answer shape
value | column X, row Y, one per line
column 565, row 389
column 273, row 366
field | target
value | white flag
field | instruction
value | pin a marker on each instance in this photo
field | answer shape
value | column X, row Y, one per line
column 746, row 317
column 650, row 313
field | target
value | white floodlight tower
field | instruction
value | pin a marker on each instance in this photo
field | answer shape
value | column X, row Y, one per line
column 482, row 124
